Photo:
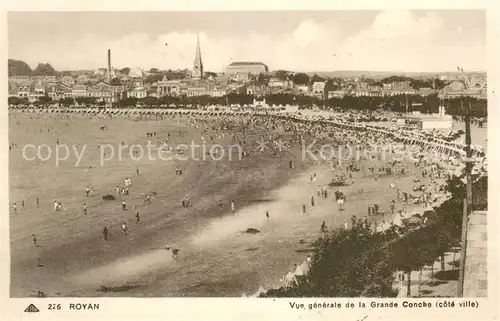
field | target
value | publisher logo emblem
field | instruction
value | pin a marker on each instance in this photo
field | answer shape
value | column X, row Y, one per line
column 31, row 308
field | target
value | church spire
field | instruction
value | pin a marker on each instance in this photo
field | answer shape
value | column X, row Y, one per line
column 197, row 72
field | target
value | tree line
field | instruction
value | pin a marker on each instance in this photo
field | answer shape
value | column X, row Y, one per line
column 399, row 103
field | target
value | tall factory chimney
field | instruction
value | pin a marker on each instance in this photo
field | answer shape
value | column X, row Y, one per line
column 109, row 66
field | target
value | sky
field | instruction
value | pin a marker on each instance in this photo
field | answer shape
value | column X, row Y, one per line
column 398, row 40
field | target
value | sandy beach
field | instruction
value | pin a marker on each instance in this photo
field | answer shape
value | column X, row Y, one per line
column 216, row 257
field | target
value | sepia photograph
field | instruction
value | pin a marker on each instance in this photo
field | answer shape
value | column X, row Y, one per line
column 248, row 154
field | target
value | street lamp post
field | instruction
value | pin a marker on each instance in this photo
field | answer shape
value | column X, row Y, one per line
column 468, row 199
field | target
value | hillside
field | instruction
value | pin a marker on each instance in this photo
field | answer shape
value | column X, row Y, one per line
column 19, row 68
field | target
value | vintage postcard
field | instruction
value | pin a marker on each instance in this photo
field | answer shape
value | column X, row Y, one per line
column 278, row 161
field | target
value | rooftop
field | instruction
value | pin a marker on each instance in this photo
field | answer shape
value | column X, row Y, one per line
column 245, row 63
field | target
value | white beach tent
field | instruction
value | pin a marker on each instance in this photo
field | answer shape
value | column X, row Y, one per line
column 289, row 280
column 398, row 220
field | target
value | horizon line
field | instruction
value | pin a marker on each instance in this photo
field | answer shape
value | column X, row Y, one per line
column 278, row 69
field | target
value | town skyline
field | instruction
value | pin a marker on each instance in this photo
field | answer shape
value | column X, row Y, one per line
column 377, row 41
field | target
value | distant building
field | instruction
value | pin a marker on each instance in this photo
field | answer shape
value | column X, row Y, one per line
column 335, row 94
column 105, row 92
column 361, row 92
column 275, row 82
column 80, row 91
column 375, row 91
column 253, row 68
column 68, row 81
column 318, row 88
column 82, row 79
column 241, row 77
column 255, row 90
column 197, row 72
column 60, row 91
column 302, row 88
column 435, row 121
column 138, row 83
column 425, row 91
column 138, row 93
column 477, row 82
column 18, row 79
column 235, row 86
column 23, row 91
column 204, row 91
column 167, row 87
column 395, row 92
column 39, row 89
column 456, row 86
column 218, row 92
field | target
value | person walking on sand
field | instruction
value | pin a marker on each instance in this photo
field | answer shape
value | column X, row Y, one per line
column 312, row 200
column 233, row 207
column 137, row 218
column 303, row 208
column 137, row 170
column 124, row 205
column 87, row 190
column 56, row 205
column 14, row 207
column 346, row 226
column 323, row 227
column 125, row 228
column 84, row 209
column 175, row 251
column 105, row 232
column 34, row 239
column 340, row 203
column 220, row 205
